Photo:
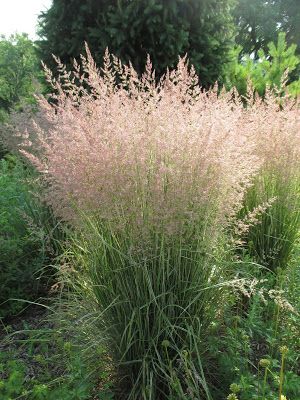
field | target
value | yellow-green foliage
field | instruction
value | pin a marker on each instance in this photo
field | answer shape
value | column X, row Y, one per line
column 270, row 69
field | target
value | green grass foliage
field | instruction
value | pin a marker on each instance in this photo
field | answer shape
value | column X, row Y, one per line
column 271, row 241
column 155, row 310
column 27, row 230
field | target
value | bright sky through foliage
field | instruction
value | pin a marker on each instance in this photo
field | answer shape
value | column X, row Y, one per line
column 21, row 16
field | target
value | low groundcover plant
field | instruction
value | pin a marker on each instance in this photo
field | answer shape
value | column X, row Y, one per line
column 152, row 175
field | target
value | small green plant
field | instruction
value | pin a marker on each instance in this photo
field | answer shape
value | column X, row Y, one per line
column 283, row 352
column 12, row 376
column 261, row 372
column 232, row 396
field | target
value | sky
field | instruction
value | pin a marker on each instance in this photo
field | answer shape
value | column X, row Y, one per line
column 21, row 16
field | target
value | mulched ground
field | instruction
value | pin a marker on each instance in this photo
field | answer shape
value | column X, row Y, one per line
column 22, row 340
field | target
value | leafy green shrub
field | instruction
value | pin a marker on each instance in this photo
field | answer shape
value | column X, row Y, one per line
column 20, row 78
column 26, row 235
column 19, row 72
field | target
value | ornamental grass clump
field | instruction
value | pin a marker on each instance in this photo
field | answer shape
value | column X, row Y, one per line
column 275, row 127
column 143, row 155
column 152, row 175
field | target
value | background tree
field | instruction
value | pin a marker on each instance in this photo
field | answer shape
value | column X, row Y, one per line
column 290, row 20
column 131, row 29
column 19, row 70
column 259, row 21
column 256, row 23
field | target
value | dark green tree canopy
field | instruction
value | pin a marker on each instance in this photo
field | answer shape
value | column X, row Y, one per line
column 259, row 22
column 290, row 13
column 131, row 29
